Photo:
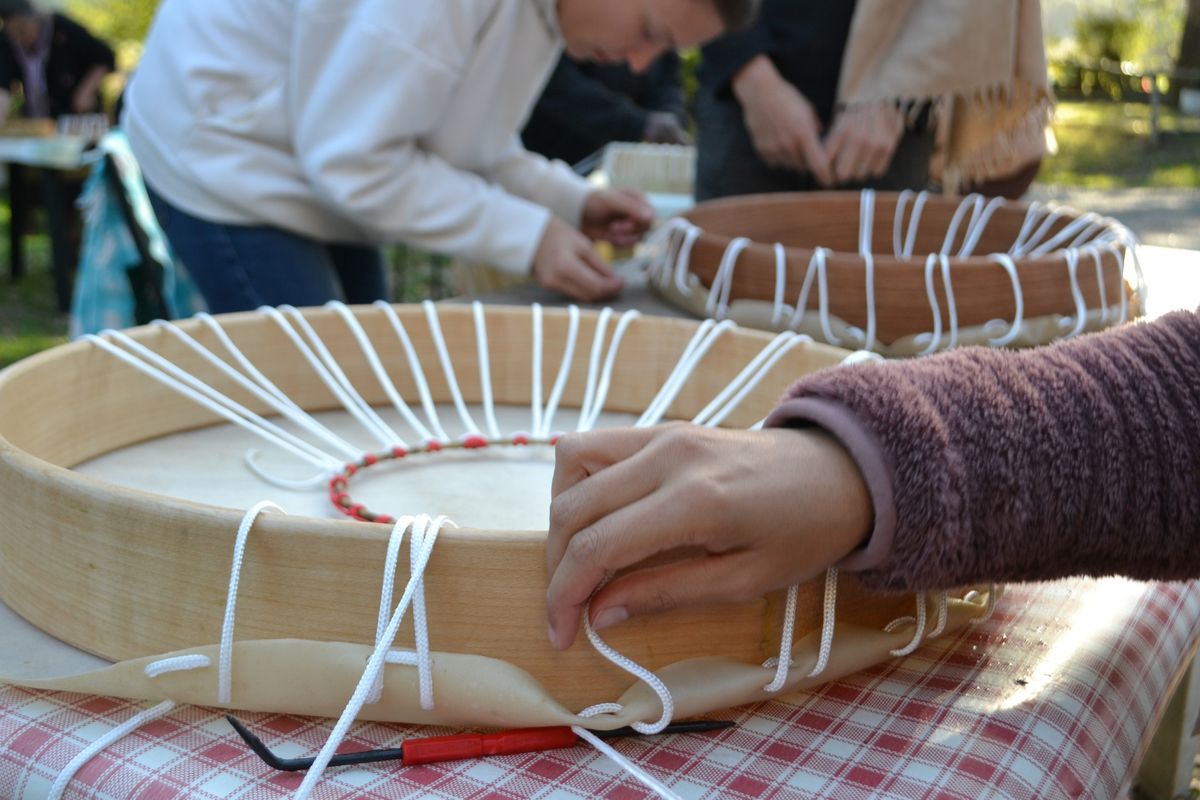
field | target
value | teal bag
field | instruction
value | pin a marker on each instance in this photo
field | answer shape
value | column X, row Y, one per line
column 127, row 275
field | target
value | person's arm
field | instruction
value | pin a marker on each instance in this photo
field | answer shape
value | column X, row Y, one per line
column 1082, row 458
column 86, row 97
column 363, row 94
column 971, row 466
column 724, row 57
column 782, row 123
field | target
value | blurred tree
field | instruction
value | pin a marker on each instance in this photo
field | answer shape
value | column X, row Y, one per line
column 116, row 21
column 1104, row 40
column 1189, row 50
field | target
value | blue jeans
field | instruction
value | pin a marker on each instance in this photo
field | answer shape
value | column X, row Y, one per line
column 242, row 267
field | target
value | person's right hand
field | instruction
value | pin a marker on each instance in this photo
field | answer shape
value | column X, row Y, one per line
column 782, row 123
column 566, row 262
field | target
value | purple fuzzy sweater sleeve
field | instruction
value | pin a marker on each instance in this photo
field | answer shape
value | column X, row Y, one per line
column 1082, row 458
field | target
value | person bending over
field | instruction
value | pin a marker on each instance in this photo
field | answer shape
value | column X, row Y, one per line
column 282, row 142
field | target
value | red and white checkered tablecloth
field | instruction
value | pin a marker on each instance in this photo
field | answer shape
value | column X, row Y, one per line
column 1053, row 697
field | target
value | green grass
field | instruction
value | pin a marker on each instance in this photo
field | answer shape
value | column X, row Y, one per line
column 1105, row 145
column 29, row 321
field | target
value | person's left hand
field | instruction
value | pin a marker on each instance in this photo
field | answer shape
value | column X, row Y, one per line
column 618, row 216
column 863, row 139
column 694, row 516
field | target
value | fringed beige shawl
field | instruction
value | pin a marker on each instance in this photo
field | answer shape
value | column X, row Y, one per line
column 981, row 62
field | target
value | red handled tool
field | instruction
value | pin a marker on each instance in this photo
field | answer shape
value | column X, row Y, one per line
column 461, row 746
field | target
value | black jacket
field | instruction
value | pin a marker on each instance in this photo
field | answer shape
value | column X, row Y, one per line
column 585, row 106
column 73, row 53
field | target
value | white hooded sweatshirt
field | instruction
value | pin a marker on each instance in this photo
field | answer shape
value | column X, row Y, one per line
column 355, row 120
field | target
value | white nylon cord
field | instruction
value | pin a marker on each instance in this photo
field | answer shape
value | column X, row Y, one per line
column 324, row 374
column 951, row 306
column 818, row 264
column 972, row 202
column 395, row 540
column 246, row 364
column 783, row 663
column 272, row 396
column 593, row 375
column 898, row 221
column 918, row 633
column 1072, row 256
column 779, row 306
column 683, row 258
column 943, row 614
column 1098, row 262
column 977, row 227
column 386, row 436
column 535, row 391
column 828, row 622
column 866, row 231
column 201, row 394
column 636, row 670
column 1087, row 223
column 1033, row 213
column 754, row 371
column 936, row 335
column 95, row 748
column 722, row 284
column 429, row 530
column 439, row 342
column 866, row 221
column 186, row 663
column 414, row 365
column 600, row 394
column 914, row 224
column 868, row 336
column 1042, row 232
column 381, row 373
column 420, row 622
column 753, row 380
column 485, row 370
column 684, row 368
column 564, row 371
column 645, row 778
column 225, row 658
column 1010, row 266
column 801, row 306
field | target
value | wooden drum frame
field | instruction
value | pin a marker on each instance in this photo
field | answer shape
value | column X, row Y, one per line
column 900, row 274
column 129, row 575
